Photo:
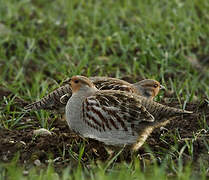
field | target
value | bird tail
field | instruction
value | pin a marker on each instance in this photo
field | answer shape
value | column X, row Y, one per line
column 159, row 110
column 52, row 99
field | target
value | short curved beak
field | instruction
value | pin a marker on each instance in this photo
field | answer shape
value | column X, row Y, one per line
column 162, row 87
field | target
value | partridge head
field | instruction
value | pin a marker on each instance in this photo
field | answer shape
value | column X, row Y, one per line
column 149, row 88
column 58, row 98
column 114, row 117
column 79, row 83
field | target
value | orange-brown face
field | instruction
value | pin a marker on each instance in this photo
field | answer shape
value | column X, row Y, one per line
column 156, row 88
column 151, row 87
column 76, row 82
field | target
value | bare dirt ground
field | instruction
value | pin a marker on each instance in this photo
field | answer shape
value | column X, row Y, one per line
column 57, row 145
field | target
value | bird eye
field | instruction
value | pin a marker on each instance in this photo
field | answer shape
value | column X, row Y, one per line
column 76, row 81
column 155, row 85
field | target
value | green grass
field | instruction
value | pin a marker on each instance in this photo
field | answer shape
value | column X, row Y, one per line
column 101, row 171
column 44, row 42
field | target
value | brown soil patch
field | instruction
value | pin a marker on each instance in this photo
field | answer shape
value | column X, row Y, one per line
column 63, row 146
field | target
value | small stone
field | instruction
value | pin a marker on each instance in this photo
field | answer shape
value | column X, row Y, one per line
column 42, row 132
column 163, row 130
column 23, row 143
column 28, row 120
column 37, row 162
column 4, row 158
column 20, row 144
column 170, row 175
column 25, row 173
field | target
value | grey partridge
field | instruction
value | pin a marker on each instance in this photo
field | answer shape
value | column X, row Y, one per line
column 114, row 117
